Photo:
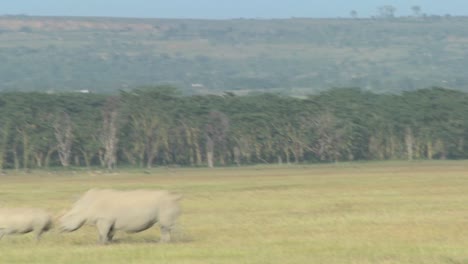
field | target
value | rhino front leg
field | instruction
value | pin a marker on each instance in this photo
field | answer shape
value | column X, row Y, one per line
column 165, row 234
column 111, row 233
column 106, row 233
column 38, row 234
column 2, row 233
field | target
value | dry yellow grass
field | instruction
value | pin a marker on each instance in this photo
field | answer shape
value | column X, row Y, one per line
column 391, row 212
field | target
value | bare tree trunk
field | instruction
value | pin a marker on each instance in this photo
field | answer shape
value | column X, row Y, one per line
column 222, row 160
column 163, row 140
column 101, row 157
column 87, row 158
column 296, row 152
column 409, row 142
column 111, row 141
column 64, row 136
column 258, row 151
column 209, row 159
column 198, row 154
column 216, row 133
column 150, row 157
column 209, row 152
column 417, row 149
column 441, row 149
column 189, row 138
column 26, row 148
column 191, row 158
column 39, row 157
column 461, row 144
column 429, row 150
column 4, row 141
column 109, row 131
column 391, row 146
column 15, row 156
column 76, row 159
column 130, row 156
column 141, row 159
column 331, row 138
column 377, row 151
column 47, row 157
column 237, row 155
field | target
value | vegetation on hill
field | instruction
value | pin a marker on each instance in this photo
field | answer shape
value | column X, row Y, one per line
column 157, row 126
column 296, row 56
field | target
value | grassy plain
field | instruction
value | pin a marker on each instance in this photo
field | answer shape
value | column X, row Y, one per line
column 392, row 212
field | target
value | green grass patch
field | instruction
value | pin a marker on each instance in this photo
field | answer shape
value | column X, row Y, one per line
column 384, row 212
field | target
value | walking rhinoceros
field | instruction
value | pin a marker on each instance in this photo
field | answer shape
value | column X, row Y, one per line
column 24, row 220
column 130, row 211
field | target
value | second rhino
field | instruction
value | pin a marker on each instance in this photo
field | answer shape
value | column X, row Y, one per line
column 130, row 211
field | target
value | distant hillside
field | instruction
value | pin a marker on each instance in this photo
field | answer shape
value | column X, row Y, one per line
column 292, row 56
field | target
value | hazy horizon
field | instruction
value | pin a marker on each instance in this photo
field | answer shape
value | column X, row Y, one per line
column 223, row 9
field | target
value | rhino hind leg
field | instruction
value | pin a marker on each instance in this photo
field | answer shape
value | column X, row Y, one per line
column 167, row 220
column 2, row 232
column 42, row 228
column 105, row 229
column 165, row 234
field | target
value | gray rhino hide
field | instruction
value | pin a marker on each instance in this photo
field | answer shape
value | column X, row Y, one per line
column 24, row 220
column 130, row 211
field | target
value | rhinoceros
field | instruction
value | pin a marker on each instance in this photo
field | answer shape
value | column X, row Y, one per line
column 131, row 211
column 24, row 220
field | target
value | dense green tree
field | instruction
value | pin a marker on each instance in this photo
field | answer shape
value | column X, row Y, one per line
column 88, row 124
column 154, row 126
column 148, row 111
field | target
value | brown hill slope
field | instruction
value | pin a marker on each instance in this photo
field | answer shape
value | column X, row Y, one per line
column 294, row 56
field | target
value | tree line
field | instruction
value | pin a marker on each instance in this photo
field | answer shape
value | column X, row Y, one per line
column 154, row 126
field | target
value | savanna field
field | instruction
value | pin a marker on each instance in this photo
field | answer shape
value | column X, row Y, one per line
column 385, row 212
